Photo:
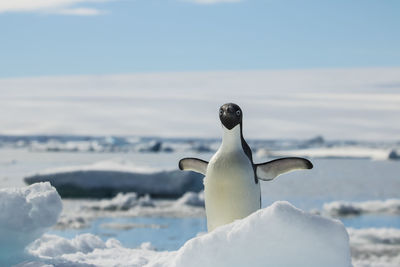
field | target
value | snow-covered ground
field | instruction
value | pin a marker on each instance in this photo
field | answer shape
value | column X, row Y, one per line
column 346, row 104
column 281, row 229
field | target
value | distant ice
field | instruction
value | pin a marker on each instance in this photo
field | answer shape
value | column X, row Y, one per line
column 107, row 178
column 25, row 214
column 191, row 199
column 394, row 154
column 120, row 202
column 284, row 103
column 280, row 230
column 375, row 247
column 343, row 208
column 377, row 153
column 80, row 214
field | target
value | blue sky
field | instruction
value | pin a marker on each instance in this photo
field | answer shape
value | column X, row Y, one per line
column 70, row 37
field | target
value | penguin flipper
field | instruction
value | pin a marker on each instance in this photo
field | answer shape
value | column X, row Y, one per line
column 269, row 170
column 193, row 164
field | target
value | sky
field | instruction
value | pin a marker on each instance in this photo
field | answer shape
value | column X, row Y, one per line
column 80, row 37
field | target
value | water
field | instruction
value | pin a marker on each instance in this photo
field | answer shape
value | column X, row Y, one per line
column 372, row 221
column 163, row 233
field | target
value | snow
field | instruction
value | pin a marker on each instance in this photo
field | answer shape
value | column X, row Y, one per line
column 342, row 208
column 191, row 199
column 121, row 202
column 78, row 214
column 25, row 214
column 107, row 178
column 375, row 247
column 51, row 246
column 376, row 153
column 279, row 235
column 284, row 104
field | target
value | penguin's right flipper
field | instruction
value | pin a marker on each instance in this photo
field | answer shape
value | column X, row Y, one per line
column 193, row 164
column 271, row 169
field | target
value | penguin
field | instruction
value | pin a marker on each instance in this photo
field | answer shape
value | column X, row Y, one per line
column 231, row 184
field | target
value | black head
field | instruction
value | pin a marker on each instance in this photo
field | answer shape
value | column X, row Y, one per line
column 230, row 115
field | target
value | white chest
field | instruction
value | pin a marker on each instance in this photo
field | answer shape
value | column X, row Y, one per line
column 229, row 187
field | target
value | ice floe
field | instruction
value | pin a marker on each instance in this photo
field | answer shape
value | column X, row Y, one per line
column 343, row 208
column 107, row 178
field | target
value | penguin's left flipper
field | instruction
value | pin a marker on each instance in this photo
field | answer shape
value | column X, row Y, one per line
column 269, row 170
column 193, row 164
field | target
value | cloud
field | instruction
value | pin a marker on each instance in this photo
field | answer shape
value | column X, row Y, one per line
column 66, row 7
column 81, row 11
column 70, row 7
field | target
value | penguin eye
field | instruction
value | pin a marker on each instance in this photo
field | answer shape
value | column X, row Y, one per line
column 238, row 113
column 221, row 112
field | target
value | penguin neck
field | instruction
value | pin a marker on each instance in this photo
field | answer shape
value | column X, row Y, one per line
column 232, row 139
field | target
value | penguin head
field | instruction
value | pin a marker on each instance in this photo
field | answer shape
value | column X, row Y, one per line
column 230, row 115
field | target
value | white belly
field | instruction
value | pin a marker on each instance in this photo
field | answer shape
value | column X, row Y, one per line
column 230, row 190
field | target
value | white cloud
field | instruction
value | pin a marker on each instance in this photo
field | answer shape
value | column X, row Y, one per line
column 67, row 7
column 81, row 11
column 70, row 7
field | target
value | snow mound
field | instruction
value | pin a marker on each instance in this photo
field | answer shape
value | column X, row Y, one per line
column 107, row 178
column 342, row 208
column 25, row 214
column 52, row 246
column 280, row 235
column 89, row 250
column 375, row 247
